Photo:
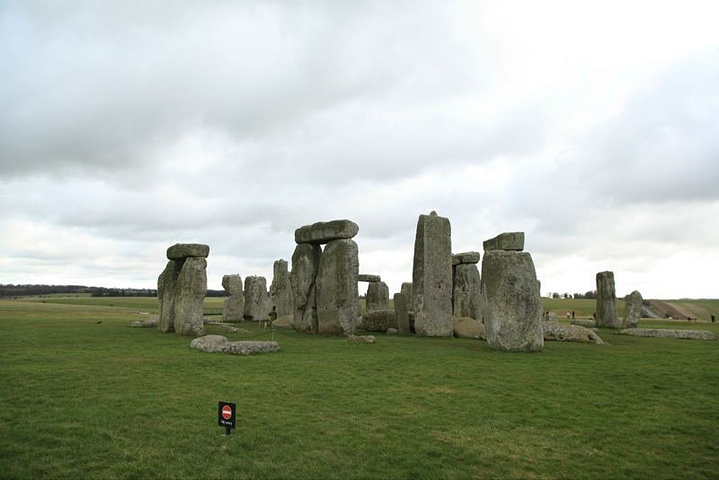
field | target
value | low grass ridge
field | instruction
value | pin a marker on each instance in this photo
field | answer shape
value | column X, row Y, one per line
column 83, row 398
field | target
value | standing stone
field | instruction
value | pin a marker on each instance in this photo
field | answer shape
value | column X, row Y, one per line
column 432, row 277
column 166, row 295
column 408, row 291
column 234, row 306
column 305, row 263
column 191, row 288
column 377, row 297
column 634, row 303
column 510, row 296
column 257, row 301
column 402, row 314
column 281, row 289
column 466, row 297
column 337, row 295
column 607, row 301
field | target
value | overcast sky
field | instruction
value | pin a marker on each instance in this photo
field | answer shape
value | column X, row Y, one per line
column 128, row 126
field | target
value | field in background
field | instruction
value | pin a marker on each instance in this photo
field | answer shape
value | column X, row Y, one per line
column 85, row 395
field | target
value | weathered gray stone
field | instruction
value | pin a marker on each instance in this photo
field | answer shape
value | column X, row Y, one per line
column 166, row 295
column 392, row 331
column 190, row 288
column 634, row 302
column 432, row 276
column 584, row 322
column 324, row 232
column 151, row 322
column 569, row 333
column 466, row 257
column 607, row 301
column 234, row 306
column 377, row 297
column 365, row 277
column 305, row 263
column 281, row 289
column 466, row 297
column 407, row 290
column 510, row 296
column 218, row 343
column 465, row 327
column 379, row 320
column 257, row 300
column 286, row 322
column 401, row 313
column 505, row 241
column 185, row 250
column 360, row 339
column 669, row 333
column 337, row 296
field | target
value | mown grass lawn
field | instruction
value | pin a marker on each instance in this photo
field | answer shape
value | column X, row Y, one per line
column 86, row 399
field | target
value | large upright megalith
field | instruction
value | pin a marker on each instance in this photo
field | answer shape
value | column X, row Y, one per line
column 281, row 289
column 466, row 298
column 305, row 262
column 432, row 276
column 377, row 297
column 234, row 305
column 337, row 295
column 634, row 303
column 607, row 301
column 181, row 289
column 401, row 312
column 510, row 297
column 257, row 300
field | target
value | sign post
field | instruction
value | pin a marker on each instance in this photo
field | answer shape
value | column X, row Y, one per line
column 226, row 416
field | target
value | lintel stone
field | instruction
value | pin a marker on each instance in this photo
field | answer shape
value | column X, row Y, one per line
column 505, row 241
column 324, row 232
column 185, row 250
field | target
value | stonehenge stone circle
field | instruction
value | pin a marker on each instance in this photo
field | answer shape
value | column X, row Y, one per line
column 511, row 302
column 257, row 301
column 466, row 297
column 281, row 289
column 234, row 305
column 634, row 302
column 324, row 232
column 401, row 313
column 181, row 288
column 508, row 241
column 432, row 276
column 336, row 288
column 607, row 301
column 377, row 297
column 305, row 263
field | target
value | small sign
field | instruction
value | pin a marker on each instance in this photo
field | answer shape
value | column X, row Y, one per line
column 226, row 416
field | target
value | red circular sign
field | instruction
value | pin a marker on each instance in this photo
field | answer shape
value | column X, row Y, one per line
column 226, row 412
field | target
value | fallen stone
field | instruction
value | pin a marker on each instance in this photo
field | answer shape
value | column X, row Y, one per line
column 285, row 322
column 392, row 331
column 149, row 323
column 210, row 343
column 325, row 232
column 432, row 276
column 607, row 301
column 180, row 251
column 228, row 327
column 634, row 303
column 464, row 327
column 249, row 347
column 379, row 320
column 505, row 241
column 466, row 257
column 511, row 302
column 569, row 333
column 364, row 277
column 669, row 333
column 360, row 339
column 336, row 284
column 586, row 323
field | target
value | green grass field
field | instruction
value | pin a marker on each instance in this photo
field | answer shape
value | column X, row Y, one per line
column 83, row 395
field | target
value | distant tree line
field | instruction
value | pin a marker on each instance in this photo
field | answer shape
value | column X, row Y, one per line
column 591, row 295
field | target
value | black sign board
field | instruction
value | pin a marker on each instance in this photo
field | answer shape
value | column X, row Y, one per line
column 226, row 415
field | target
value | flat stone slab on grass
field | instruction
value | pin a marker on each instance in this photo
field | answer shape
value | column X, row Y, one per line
column 184, row 250
column 325, row 232
column 218, row 343
column 669, row 333
column 360, row 339
column 149, row 323
column 586, row 323
column 569, row 333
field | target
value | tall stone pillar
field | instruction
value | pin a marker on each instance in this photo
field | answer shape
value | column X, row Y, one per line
column 337, row 295
column 281, row 289
column 182, row 287
column 510, row 296
column 432, row 277
column 634, row 302
column 377, row 297
column 257, row 300
column 607, row 301
column 466, row 299
column 234, row 306
column 305, row 262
